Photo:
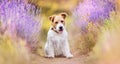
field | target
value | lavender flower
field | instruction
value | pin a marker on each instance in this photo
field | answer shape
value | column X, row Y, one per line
column 92, row 11
column 20, row 19
column 88, row 16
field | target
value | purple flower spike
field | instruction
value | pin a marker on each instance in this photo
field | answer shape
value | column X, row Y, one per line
column 93, row 11
column 20, row 19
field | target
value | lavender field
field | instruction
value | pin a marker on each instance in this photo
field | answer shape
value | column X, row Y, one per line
column 92, row 25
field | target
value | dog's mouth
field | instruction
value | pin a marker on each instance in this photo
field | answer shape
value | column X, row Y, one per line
column 61, row 30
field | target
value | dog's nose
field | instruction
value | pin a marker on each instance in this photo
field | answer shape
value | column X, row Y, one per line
column 61, row 28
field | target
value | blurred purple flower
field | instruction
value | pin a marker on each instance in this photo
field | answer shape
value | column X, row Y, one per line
column 92, row 11
column 20, row 17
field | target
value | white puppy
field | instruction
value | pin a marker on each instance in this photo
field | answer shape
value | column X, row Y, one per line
column 57, row 38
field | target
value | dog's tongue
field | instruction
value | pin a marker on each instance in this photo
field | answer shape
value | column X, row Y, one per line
column 60, row 31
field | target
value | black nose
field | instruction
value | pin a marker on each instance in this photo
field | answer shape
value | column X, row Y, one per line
column 61, row 28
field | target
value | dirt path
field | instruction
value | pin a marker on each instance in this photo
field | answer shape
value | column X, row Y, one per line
column 77, row 59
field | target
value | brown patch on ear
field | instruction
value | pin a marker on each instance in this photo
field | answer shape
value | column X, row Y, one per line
column 51, row 18
column 63, row 15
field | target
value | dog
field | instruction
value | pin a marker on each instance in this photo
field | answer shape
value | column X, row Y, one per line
column 57, row 38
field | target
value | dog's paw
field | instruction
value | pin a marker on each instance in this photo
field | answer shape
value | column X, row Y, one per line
column 49, row 56
column 69, row 56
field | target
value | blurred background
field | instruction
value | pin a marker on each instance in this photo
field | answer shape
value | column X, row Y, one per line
column 92, row 25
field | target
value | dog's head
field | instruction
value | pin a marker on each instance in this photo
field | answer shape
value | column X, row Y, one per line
column 58, row 22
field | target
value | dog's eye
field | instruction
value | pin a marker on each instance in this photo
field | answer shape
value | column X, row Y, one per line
column 62, row 21
column 56, row 22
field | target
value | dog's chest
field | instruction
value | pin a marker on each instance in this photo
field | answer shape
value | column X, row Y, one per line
column 58, row 39
column 58, row 44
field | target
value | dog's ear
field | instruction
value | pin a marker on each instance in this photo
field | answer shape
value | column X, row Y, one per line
column 51, row 18
column 63, row 15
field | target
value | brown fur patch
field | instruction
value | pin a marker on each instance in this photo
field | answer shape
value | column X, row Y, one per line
column 63, row 15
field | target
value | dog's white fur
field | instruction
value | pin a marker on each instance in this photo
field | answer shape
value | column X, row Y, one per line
column 57, row 43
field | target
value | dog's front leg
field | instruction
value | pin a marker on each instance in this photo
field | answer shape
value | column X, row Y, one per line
column 66, row 50
column 49, row 49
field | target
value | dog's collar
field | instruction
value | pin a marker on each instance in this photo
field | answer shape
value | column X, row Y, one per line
column 54, row 30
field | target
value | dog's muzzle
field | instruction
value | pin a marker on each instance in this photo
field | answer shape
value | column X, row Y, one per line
column 60, row 28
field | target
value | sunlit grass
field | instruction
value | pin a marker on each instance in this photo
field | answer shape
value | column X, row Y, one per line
column 12, row 52
column 107, row 47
